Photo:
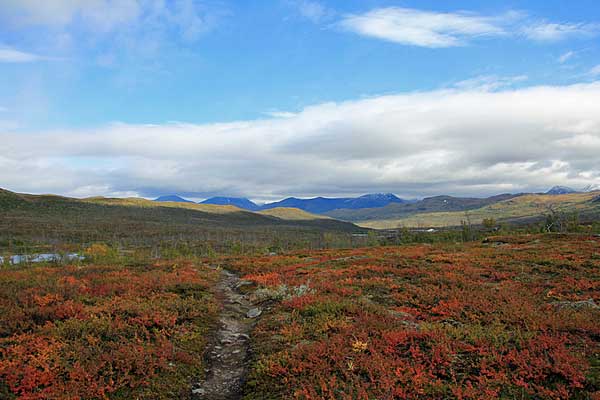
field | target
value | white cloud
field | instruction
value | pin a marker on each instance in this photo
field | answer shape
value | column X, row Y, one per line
column 566, row 57
column 595, row 71
column 490, row 82
column 103, row 14
column 107, row 15
column 135, row 34
column 423, row 28
column 280, row 114
column 312, row 10
column 438, row 29
column 459, row 141
column 100, row 17
column 10, row 55
column 552, row 32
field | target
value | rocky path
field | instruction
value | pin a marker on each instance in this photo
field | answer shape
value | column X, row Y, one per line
column 229, row 351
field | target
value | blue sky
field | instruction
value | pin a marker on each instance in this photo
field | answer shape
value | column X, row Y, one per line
column 278, row 76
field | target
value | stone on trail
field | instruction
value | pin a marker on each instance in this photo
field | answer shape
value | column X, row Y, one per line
column 253, row 313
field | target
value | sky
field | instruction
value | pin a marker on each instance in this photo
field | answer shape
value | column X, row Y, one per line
column 273, row 98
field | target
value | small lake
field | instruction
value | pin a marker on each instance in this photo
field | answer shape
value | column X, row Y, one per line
column 41, row 258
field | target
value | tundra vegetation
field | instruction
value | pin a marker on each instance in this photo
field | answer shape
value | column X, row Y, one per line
column 514, row 317
column 104, row 330
column 510, row 317
column 477, row 311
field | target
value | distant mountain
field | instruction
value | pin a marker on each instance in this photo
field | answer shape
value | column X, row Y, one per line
column 173, row 198
column 561, row 190
column 591, row 188
column 568, row 190
column 526, row 208
column 239, row 202
column 320, row 205
column 427, row 205
column 373, row 201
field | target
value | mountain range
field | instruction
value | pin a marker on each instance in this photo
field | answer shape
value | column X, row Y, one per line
column 239, row 202
column 430, row 212
column 318, row 205
column 568, row 190
column 561, row 190
column 426, row 205
column 371, row 205
column 173, row 198
column 321, row 205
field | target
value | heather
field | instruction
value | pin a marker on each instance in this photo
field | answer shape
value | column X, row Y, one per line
column 515, row 317
column 103, row 331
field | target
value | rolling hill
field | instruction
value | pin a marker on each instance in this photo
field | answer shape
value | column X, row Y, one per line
column 292, row 214
column 427, row 205
column 517, row 209
column 47, row 219
column 139, row 202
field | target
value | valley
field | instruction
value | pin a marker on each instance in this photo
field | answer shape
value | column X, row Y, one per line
column 387, row 211
column 199, row 301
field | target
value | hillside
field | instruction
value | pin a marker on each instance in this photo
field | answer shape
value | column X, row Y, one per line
column 134, row 222
column 427, row 205
column 291, row 214
column 524, row 208
column 138, row 202
column 9, row 199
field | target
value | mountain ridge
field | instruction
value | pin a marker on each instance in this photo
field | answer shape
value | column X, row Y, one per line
column 525, row 208
column 561, row 190
column 321, row 205
column 240, row 202
column 172, row 198
column 443, row 203
column 317, row 205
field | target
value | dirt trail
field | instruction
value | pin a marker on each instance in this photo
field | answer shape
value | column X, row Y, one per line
column 229, row 351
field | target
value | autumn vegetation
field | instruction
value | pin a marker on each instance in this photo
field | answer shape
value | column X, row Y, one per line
column 510, row 318
column 465, row 313
column 104, row 331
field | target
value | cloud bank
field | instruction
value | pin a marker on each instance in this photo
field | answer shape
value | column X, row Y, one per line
column 466, row 140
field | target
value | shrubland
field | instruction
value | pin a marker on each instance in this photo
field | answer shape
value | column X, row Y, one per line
column 515, row 317
column 104, row 330
column 491, row 311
